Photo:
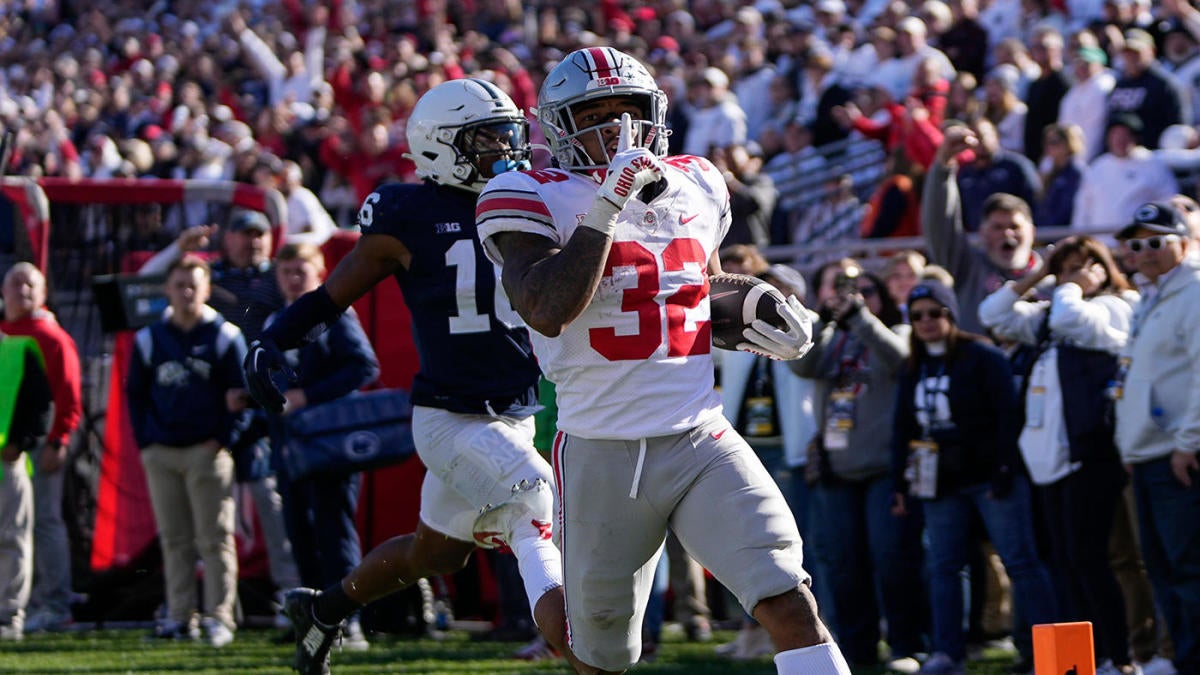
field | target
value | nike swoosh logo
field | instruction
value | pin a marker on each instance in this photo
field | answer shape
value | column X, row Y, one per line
column 684, row 220
column 718, row 434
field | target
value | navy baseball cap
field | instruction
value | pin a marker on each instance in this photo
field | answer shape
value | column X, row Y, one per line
column 937, row 292
column 1158, row 217
column 249, row 220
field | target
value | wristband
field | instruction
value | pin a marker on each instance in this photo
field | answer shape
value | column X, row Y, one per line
column 602, row 216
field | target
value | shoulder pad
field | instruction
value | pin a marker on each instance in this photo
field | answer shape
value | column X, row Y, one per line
column 527, row 180
column 388, row 204
column 700, row 171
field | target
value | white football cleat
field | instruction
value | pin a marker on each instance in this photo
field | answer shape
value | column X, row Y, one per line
column 531, row 503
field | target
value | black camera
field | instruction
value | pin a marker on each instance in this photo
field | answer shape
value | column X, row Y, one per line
column 846, row 282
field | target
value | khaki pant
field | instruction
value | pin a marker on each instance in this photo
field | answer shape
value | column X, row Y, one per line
column 191, row 490
column 1125, row 556
column 16, row 542
column 691, row 587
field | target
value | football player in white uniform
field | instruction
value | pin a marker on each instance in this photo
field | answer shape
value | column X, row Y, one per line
column 607, row 258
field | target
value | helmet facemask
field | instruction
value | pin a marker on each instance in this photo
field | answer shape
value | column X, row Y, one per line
column 491, row 147
column 463, row 132
column 572, row 142
column 591, row 74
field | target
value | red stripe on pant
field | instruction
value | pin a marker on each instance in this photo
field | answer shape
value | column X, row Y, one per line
column 556, row 458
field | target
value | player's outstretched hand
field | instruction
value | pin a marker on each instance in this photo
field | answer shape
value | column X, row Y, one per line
column 631, row 169
column 763, row 338
column 263, row 360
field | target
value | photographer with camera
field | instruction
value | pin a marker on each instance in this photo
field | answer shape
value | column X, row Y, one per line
column 860, row 347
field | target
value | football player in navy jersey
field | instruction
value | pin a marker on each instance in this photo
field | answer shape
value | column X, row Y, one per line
column 474, row 395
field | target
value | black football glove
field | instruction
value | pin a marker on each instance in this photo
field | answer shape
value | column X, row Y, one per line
column 263, row 360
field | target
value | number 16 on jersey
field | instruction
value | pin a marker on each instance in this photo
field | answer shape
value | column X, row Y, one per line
column 462, row 257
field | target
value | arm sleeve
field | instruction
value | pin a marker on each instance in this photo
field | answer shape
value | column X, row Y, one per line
column 1010, row 317
column 161, row 261
column 62, row 367
column 889, row 349
column 1187, row 436
column 1100, row 323
column 358, row 365
column 314, row 55
column 321, row 225
column 302, row 321
column 809, row 365
column 1177, row 96
column 941, row 221
column 264, row 61
column 1167, row 181
column 872, row 129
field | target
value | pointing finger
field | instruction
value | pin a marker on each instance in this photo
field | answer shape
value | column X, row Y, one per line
column 625, row 140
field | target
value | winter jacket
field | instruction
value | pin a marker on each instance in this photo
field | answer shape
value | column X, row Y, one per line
column 1159, row 409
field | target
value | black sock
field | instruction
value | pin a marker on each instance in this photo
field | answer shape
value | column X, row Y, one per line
column 333, row 605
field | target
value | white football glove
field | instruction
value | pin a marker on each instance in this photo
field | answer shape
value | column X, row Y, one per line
column 766, row 340
column 630, row 170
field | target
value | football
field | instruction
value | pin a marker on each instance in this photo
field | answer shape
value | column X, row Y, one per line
column 735, row 301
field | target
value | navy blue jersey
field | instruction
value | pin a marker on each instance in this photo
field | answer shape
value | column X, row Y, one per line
column 474, row 349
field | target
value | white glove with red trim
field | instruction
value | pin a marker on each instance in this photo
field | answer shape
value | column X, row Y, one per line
column 630, row 170
column 766, row 340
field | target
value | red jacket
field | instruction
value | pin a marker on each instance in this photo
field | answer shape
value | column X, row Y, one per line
column 365, row 172
column 62, row 369
column 919, row 139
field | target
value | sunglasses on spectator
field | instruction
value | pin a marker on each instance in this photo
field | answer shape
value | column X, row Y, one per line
column 935, row 314
column 1153, row 243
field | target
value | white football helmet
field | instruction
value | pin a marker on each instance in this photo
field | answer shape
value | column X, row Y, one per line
column 589, row 74
column 463, row 132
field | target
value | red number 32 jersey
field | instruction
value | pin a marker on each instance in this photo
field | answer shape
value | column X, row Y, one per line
column 637, row 362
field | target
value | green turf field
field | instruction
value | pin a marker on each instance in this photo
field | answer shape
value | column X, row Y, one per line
column 128, row 651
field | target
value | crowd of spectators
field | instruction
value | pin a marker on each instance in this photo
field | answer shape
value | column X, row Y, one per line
column 831, row 121
column 312, row 97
